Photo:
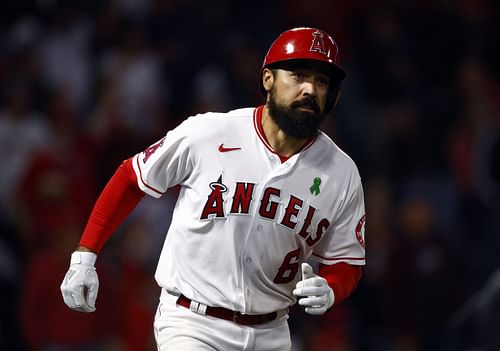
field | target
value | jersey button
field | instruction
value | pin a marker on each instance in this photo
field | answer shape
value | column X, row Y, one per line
column 259, row 228
column 248, row 260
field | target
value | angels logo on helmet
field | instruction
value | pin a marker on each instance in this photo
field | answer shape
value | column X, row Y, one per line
column 318, row 44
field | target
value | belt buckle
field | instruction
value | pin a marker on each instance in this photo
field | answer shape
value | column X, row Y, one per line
column 238, row 318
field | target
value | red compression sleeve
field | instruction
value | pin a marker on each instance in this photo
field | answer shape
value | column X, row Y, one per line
column 119, row 197
column 342, row 278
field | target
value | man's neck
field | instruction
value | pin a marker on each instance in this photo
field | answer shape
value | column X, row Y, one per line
column 277, row 138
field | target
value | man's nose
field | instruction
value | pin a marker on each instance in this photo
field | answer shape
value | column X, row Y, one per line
column 309, row 88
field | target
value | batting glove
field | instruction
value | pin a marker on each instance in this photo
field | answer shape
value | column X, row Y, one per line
column 80, row 285
column 317, row 296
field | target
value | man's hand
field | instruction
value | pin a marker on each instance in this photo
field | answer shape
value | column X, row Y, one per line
column 317, row 295
column 80, row 285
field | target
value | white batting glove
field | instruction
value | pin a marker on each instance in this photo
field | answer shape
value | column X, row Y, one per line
column 317, row 296
column 80, row 285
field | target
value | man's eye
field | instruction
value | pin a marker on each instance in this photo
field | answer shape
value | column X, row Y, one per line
column 323, row 81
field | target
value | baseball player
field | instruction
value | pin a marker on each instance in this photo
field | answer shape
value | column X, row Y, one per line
column 263, row 191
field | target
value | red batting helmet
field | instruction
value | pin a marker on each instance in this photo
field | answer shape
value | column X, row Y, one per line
column 306, row 43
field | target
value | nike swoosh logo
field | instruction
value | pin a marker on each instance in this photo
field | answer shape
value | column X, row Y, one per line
column 226, row 149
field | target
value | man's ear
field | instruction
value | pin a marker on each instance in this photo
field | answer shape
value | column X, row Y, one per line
column 267, row 79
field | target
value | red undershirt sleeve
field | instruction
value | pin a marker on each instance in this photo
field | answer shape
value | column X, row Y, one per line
column 117, row 200
column 342, row 278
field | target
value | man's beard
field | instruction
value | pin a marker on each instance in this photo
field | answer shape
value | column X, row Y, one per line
column 294, row 122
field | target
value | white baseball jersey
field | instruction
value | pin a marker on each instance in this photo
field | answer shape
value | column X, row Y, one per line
column 244, row 221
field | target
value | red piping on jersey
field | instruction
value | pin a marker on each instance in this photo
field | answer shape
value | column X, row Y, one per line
column 340, row 258
column 142, row 180
column 257, row 122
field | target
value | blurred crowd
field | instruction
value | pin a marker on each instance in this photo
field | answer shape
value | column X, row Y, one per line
column 87, row 84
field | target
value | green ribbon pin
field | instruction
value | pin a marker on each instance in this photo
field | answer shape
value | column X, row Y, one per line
column 315, row 186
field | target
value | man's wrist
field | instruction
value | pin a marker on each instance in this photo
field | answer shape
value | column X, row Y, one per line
column 84, row 249
column 87, row 258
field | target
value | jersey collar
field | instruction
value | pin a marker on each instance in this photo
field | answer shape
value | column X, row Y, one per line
column 257, row 122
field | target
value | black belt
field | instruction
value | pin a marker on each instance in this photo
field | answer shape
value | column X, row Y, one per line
column 233, row 316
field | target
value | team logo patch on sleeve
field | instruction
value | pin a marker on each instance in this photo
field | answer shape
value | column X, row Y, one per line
column 360, row 230
column 151, row 150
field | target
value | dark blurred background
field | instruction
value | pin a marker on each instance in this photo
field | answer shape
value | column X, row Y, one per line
column 87, row 84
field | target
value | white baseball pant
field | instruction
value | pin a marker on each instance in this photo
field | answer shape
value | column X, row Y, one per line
column 178, row 328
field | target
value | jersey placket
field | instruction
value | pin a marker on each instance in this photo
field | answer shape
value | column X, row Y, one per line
column 248, row 265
